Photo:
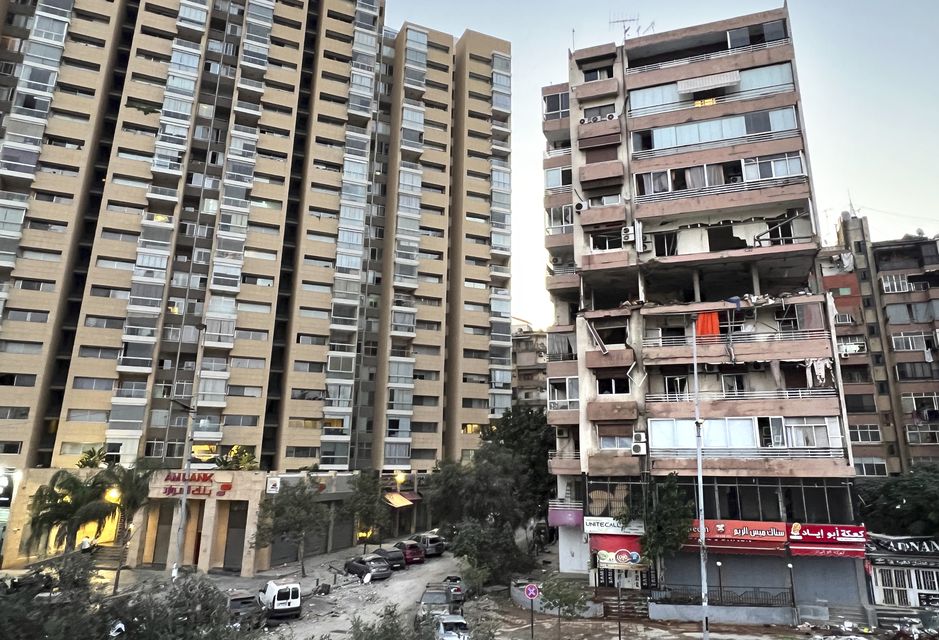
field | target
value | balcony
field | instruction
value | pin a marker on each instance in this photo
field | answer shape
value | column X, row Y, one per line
column 565, row 513
column 612, row 409
column 792, row 462
column 563, row 412
column 747, row 347
column 564, row 463
column 748, row 94
column 562, row 278
column 621, row 358
column 788, row 402
column 204, row 431
column 596, row 89
column 614, row 214
column 131, row 364
column 723, row 196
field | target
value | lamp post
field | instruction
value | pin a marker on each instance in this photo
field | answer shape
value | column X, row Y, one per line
column 699, row 451
column 720, row 581
column 399, row 477
column 183, row 499
column 792, row 585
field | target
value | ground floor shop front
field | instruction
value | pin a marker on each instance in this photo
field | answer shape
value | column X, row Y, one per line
column 903, row 571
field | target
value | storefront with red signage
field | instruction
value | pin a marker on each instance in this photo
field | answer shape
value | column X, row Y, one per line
column 827, row 540
column 616, row 554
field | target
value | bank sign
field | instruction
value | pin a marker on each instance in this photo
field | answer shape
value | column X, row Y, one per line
column 599, row 524
column 200, row 484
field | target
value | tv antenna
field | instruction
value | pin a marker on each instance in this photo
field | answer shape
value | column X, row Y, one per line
column 631, row 26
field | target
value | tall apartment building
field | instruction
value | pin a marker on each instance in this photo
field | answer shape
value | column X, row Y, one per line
column 679, row 202
column 530, row 365
column 259, row 218
column 887, row 327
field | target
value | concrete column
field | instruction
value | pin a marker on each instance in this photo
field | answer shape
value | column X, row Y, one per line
column 135, row 544
column 149, row 534
column 192, row 531
column 174, row 537
column 247, row 558
column 207, row 542
column 755, row 276
column 696, row 281
column 329, row 529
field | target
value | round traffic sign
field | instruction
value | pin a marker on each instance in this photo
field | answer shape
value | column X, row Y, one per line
column 531, row 591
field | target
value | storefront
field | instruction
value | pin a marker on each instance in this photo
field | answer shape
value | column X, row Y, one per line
column 903, row 570
column 616, row 553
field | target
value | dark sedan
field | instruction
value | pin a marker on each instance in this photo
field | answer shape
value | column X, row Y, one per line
column 395, row 557
column 370, row 564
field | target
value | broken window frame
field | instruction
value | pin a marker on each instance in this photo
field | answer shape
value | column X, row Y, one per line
column 613, row 385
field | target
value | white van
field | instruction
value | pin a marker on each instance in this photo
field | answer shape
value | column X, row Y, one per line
column 280, row 599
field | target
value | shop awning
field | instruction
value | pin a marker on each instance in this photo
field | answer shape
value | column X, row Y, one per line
column 827, row 550
column 413, row 496
column 397, row 500
column 741, row 547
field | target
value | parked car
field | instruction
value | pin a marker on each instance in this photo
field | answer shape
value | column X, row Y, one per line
column 433, row 544
column 280, row 599
column 447, row 532
column 455, row 584
column 413, row 552
column 369, row 564
column 434, row 601
column 394, row 557
column 451, row 628
column 244, row 610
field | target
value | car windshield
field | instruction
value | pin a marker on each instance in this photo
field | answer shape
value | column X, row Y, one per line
column 433, row 540
column 455, row 626
column 435, row 597
column 377, row 563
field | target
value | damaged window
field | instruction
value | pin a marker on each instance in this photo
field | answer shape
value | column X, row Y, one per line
column 666, row 243
column 618, row 384
column 723, row 239
column 613, row 331
column 774, row 166
column 606, row 240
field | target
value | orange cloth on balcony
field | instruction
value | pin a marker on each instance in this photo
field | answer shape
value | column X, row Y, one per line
column 708, row 324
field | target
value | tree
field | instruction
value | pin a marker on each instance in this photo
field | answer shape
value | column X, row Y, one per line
column 92, row 459
column 490, row 547
column 63, row 506
column 901, row 505
column 293, row 514
column 525, row 432
column 130, row 488
column 367, row 507
column 668, row 520
column 238, row 458
column 566, row 596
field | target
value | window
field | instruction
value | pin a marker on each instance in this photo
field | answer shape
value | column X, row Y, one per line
column 599, row 112
column 244, row 391
column 560, row 219
column 103, row 322
column 563, row 394
column 557, row 177
column 240, row 421
column 93, row 384
column 17, row 379
column 614, row 385
column 88, row 415
column 9, row 447
column 774, row 166
column 849, row 345
column 864, row 432
column 247, row 363
column 556, row 106
column 922, row 433
column 911, row 341
column 895, row 283
column 870, row 466
column 251, row 334
column 102, row 353
column 26, row 315
column 859, row 403
column 756, row 34
column 16, row 346
column 14, row 413
column 600, row 73
column 303, row 452
column 606, row 241
column 915, row 371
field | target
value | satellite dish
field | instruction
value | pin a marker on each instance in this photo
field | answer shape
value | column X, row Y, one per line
column 367, row 578
column 920, row 233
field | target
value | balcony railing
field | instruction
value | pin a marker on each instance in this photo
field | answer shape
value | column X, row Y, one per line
column 559, row 230
column 560, row 270
column 733, row 187
column 565, row 504
column 564, row 455
column 774, row 394
column 750, row 452
column 564, row 405
column 561, row 357
column 707, row 56
column 556, row 153
column 564, row 188
column 749, row 94
column 717, row 144
column 726, row 595
column 779, row 336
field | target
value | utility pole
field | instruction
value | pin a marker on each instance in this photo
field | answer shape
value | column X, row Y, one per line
column 184, row 498
column 699, row 451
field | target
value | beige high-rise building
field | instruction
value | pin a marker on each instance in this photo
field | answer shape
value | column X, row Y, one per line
column 255, row 220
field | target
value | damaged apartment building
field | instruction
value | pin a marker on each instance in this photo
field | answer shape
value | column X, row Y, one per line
column 679, row 203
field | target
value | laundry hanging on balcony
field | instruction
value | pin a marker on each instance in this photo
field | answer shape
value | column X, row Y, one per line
column 708, row 324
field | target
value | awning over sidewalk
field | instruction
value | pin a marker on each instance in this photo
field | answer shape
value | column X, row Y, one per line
column 413, row 496
column 397, row 500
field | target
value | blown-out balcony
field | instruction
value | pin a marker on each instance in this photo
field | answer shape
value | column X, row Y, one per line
column 746, row 347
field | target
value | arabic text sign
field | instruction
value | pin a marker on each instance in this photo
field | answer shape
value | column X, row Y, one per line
column 827, row 533
column 748, row 530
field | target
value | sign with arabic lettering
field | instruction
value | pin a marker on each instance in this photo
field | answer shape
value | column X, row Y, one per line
column 827, row 533
column 746, row 530
column 906, row 545
column 200, row 484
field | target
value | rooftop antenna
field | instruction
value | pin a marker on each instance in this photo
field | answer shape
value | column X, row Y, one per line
column 632, row 25
column 573, row 46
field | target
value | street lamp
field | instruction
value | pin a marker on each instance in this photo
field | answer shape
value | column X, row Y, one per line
column 699, row 451
column 792, row 585
column 720, row 581
column 183, row 504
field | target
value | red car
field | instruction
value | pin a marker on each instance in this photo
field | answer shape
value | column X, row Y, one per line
column 413, row 552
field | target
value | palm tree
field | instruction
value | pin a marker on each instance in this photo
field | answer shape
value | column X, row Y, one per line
column 92, row 458
column 129, row 489
column 237, row 459
column 63, row 506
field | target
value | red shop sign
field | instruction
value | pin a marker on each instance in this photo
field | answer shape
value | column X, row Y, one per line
column 740, row 537
column 827, row 540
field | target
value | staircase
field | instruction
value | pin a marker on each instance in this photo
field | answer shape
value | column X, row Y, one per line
column 634, row 605
column 106, row 557
column 889, row 616
column 838, row 613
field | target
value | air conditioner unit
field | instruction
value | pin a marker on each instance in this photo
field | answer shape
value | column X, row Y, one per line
column 629, row 235
column 646, row 245
column 563, row 433
column 584, row 121
column 580, row 206
column 611, row 116
column 639, row 448
column 639, row 438
column 596, row 119
column 556, row 260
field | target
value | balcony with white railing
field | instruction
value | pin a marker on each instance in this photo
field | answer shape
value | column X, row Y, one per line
column 704, row 57
column 737, row 96
column 565, row 513
column 723, row 189
column 770, row 402
column 564, row 462
column 739, row 347
column 782, row 462
column 770, row 394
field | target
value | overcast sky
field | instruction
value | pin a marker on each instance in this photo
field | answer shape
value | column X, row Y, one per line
column 868, row 71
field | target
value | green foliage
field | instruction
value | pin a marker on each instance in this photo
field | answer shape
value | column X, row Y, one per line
column 526, row 434
column 389, row 626
column 474, row 577
column 567, row 596
column 489, row 547
column 668, row 521
column 133, row 489
column 294, row 514
column 366, row 504
column 186, row 609
column 92, row 459
column 65, row 504
column 901, row 505
column 237, row 459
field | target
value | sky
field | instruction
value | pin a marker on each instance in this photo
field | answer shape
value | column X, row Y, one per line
column 867, row 70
